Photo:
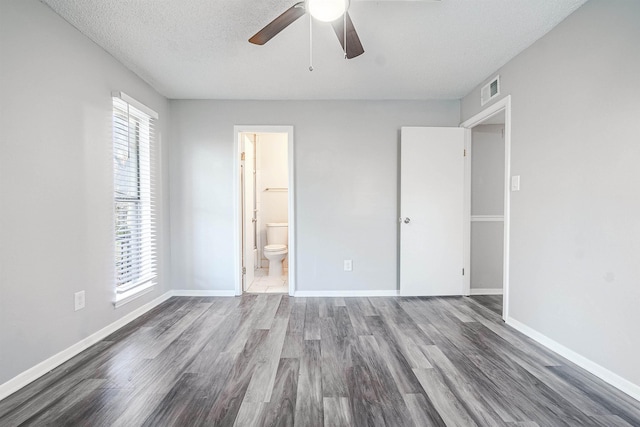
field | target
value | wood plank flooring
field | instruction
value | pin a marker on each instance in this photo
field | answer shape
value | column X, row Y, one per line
column 267, row 360
column 492, row 302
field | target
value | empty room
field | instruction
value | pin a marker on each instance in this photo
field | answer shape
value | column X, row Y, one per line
column 320, row 213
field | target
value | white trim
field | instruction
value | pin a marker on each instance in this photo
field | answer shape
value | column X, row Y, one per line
column 237, row 224
column 203, row 293
column 606, row 375
column 487, row 218
column 135, row 103
column 503, row 104
column 237, row 212
column 489, row 112
column 466, row 217
column 291, row 260
column 486, row 291
column 386, row 293
column 132, row 294
column 32, row 374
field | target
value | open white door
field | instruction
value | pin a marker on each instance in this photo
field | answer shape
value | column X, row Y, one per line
column 431, row 206
column 248, row 211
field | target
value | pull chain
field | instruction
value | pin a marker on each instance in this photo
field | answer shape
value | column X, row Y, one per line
column 344, row 26
column 310, row 43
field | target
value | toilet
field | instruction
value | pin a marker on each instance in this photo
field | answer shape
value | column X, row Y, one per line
column 276, row 249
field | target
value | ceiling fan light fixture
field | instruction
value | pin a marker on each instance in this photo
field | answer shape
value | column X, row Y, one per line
column 327, row 10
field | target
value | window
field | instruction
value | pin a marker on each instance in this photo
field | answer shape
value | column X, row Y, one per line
column 133, row 170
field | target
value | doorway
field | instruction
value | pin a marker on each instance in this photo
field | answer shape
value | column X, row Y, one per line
column 264, row 214
column 487, row 206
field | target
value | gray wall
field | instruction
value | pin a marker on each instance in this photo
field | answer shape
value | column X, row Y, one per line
column 487, row 248
column 487, row 198
column 575, row 236
column 487, row 170
column 346, row 156
column 56, row 184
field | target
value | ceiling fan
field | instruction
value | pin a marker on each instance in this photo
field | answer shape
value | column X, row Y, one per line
column 333, row 11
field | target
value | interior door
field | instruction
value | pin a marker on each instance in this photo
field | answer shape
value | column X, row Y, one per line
column 249, row 210
column 432, row 206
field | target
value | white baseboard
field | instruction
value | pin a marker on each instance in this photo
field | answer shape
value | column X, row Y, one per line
column 32, row 374
column 486, row 291
column 389, row 293
column 202, row 293
column 615, row 380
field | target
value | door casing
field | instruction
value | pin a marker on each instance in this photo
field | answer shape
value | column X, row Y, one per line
column 248, row 191
column 237, row 217
column 503, row 105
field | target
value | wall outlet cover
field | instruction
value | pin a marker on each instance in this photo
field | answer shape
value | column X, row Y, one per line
column 348, row 265
column 79, row 300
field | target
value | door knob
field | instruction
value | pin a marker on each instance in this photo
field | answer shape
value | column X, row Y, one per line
column 407, row 220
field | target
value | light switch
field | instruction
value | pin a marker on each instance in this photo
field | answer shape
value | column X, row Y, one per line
column 515, row 183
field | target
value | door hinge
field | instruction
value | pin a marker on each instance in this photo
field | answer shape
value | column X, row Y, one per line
column 463, row 271
column 465, row 152
column 244, row 270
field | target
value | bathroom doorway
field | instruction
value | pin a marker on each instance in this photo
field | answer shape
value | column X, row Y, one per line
column 265, row 201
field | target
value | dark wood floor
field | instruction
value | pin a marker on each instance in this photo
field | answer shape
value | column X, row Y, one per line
column 275, row 360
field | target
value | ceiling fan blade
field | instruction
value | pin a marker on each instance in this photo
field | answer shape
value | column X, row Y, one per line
column 354, row 47
column 280, row 23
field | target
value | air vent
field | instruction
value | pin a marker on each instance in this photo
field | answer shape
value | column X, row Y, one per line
column 490, row 90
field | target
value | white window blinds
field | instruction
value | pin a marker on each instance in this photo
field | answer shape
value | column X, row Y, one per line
column 133, row 166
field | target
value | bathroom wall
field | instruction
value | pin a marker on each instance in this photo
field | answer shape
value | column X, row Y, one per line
column 575, row 229
column 346, row 159
column 487, row 198
column 272, row 173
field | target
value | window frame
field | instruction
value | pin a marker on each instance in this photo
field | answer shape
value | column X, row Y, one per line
column 135, row 261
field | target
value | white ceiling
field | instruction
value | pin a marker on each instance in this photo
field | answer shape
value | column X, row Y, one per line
column 413, row 49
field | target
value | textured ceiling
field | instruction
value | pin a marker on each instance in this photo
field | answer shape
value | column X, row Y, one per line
column 413, row 49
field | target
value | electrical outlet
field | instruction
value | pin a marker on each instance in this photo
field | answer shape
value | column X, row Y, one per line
column 348, row 265
column 79, row 300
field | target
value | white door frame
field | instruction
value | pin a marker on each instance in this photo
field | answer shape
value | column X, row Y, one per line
column 246, row 178
column 502, row 105
column 237, row 202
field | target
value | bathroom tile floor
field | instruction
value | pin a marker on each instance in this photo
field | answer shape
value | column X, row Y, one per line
column 262, row 283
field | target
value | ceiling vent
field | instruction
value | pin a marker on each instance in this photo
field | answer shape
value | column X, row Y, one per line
column 490, row 90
